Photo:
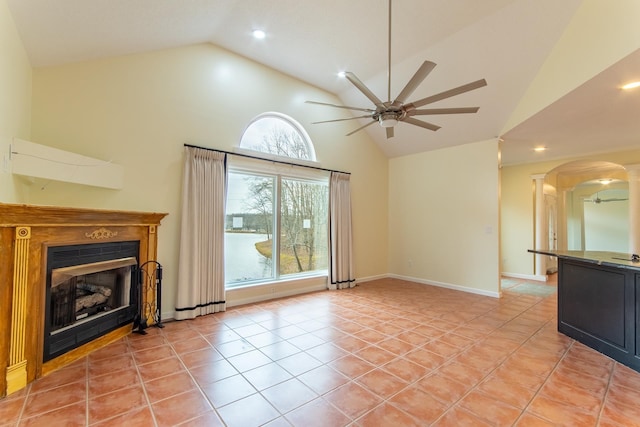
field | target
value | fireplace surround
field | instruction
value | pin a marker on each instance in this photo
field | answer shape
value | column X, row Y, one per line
column 27, row 233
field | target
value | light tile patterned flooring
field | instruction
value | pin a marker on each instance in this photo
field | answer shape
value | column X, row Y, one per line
column 386, row 353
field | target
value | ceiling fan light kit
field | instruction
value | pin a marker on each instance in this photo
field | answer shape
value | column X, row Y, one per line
column 388, row 114
column 388, row 120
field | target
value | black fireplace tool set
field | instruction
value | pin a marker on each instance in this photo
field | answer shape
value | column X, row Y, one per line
column 150, row 283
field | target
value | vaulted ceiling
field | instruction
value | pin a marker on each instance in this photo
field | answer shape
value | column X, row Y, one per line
column 505, row 42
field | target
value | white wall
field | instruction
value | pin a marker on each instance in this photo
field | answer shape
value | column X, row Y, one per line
column 606, row 224
column 139, row 110
column 15, row 100
column 443, row 217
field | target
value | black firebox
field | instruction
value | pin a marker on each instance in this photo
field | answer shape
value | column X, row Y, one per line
column 92, row 289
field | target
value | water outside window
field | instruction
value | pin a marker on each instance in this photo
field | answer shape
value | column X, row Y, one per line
column 250, row 244
column 249, row 227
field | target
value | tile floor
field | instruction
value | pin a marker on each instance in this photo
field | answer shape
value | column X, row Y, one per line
column 386, row 353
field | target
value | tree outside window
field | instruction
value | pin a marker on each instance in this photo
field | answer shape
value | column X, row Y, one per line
column 277, row 223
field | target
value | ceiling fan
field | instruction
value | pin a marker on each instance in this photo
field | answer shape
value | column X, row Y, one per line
column 390, row 113
column 598, row 200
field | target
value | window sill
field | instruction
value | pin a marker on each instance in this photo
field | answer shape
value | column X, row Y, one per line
column 298, row 278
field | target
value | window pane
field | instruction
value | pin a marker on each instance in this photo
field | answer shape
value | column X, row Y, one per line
column 303, row 222
column 276, row 135
column 249, row 228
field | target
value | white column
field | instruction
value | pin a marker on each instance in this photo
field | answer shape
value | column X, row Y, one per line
column 562, row 242
column 634, row 208
column 541, row 229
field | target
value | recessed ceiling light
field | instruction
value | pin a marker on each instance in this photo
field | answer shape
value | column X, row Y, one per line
column 631, row 85
column 539, row 149
column 342, row 74
column 259, row 34
column 605, row 181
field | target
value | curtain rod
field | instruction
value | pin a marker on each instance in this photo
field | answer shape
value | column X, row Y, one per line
column 266, row 160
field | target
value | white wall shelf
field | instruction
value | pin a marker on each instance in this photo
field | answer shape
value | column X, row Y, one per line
column 39, row 161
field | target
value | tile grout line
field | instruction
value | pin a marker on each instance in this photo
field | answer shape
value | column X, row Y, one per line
column 351, row 380
column 24, row 404
column 197, row 384
column 521, row 313
column 144, row 388
column 431, row 372
column 479, row 382
column 86, row 376
column 606, row 393
column 541, row 386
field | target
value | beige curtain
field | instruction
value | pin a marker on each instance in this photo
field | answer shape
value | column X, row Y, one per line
column 201, row 260
column 342, row 274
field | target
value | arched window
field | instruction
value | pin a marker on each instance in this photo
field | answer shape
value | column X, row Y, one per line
column 280, row 135
column 276, row 214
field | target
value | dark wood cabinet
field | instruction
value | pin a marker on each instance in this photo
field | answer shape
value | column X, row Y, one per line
column 637, row 318
column 598, row 306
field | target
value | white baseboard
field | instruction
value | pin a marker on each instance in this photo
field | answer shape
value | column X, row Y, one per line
column 168, row 316
column 448, row 286
column 536, row 277
column 372, row 278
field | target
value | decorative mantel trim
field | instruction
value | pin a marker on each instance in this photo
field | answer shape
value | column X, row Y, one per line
column 101, row 233
column 17, row 369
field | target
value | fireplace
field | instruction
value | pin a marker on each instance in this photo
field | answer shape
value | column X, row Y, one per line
column 91, row 290
column 45, row 245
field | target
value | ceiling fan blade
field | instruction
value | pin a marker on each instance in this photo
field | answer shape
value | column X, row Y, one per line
column 340, row 106
column 341, row 120
column 613, row 200
column 389, row 132
column 415, row 81
column 362, row 127
column 365, row 90
column 447, row 94
column 420, row 123
column 431, row 111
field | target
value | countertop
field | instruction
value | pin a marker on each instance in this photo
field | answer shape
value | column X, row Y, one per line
column 611, row 259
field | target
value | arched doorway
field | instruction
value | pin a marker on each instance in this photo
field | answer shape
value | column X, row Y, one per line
column 571, row 211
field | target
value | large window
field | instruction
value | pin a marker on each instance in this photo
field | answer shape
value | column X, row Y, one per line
column 276, row 216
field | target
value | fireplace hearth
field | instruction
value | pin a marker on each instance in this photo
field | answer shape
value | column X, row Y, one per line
column 91, row 290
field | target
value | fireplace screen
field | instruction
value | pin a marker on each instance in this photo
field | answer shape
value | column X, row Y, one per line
column 82, row 291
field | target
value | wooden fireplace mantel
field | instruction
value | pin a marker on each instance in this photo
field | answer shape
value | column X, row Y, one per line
column 13, row 215
column 26, row 231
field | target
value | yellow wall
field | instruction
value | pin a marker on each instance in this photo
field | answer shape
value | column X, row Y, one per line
column 139, row 110
column 443, row 217
column 15, row 100
column 517, row 207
